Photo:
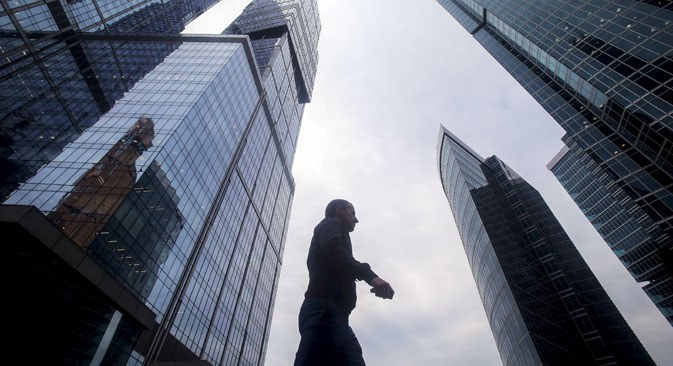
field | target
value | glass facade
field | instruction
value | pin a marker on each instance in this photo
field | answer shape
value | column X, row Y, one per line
column 182, row 190
column 604, row 72
column 54, row 83
column 543, row 303
column 300, row 19
column 630, row 233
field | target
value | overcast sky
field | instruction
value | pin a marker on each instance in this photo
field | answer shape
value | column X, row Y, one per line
column 390, row 72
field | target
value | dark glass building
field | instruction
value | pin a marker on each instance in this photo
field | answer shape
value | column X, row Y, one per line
column 630, row 232
column 604, row 71
column 543, row 303
column 170, row 211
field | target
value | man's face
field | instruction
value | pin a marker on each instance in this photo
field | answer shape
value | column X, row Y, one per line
column 346, row 214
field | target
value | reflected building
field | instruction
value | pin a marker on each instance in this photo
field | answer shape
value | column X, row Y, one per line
column 604, row 71
column 177, row 199
column 543, row 303
column 140, row 233
column 99, row 192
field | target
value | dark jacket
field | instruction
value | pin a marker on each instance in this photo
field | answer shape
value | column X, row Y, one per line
column 332, row 269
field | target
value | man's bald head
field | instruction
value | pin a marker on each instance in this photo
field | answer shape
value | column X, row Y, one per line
column 334, row 205
column 344, row 212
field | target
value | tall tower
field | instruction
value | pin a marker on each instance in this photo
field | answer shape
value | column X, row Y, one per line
column 543, row 303
column 604, row 71
column 170, row 212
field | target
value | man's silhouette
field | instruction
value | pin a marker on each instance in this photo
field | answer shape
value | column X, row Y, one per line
column 326, row 337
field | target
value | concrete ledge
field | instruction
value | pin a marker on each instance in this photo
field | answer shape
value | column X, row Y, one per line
column 36, row 224
column 14, row 214
column 48, row 234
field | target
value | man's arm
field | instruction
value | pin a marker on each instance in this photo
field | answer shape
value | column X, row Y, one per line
column 331, row 244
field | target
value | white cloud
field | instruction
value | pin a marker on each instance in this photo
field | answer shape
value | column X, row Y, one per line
column 218, row 17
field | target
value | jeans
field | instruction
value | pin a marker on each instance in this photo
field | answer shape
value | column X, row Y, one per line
column 326, row 337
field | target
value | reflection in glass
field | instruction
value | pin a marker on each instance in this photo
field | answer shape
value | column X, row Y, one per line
column 137, row 239
column 100, row 191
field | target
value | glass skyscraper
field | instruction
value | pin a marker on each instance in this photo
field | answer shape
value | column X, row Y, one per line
column 543, row 303
column 604, row 71
column 633, row 236
column 169, row 212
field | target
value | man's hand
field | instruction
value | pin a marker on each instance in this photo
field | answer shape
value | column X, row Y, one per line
column 381, row 288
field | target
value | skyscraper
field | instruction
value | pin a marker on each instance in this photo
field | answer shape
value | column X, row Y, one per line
column 633, row 236
column 543, row 303
column 170, row 212
column 604, row 71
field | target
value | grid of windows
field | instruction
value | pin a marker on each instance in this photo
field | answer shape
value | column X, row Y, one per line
column 630, row 232
column 543, row 303
column 195, row 119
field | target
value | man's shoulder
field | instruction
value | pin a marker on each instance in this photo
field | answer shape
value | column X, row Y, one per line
column 328, row 223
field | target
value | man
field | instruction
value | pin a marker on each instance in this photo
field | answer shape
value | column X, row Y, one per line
column 326, row 337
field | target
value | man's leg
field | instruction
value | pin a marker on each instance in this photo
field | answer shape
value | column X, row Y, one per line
column 317, row 327
column 350, row 352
